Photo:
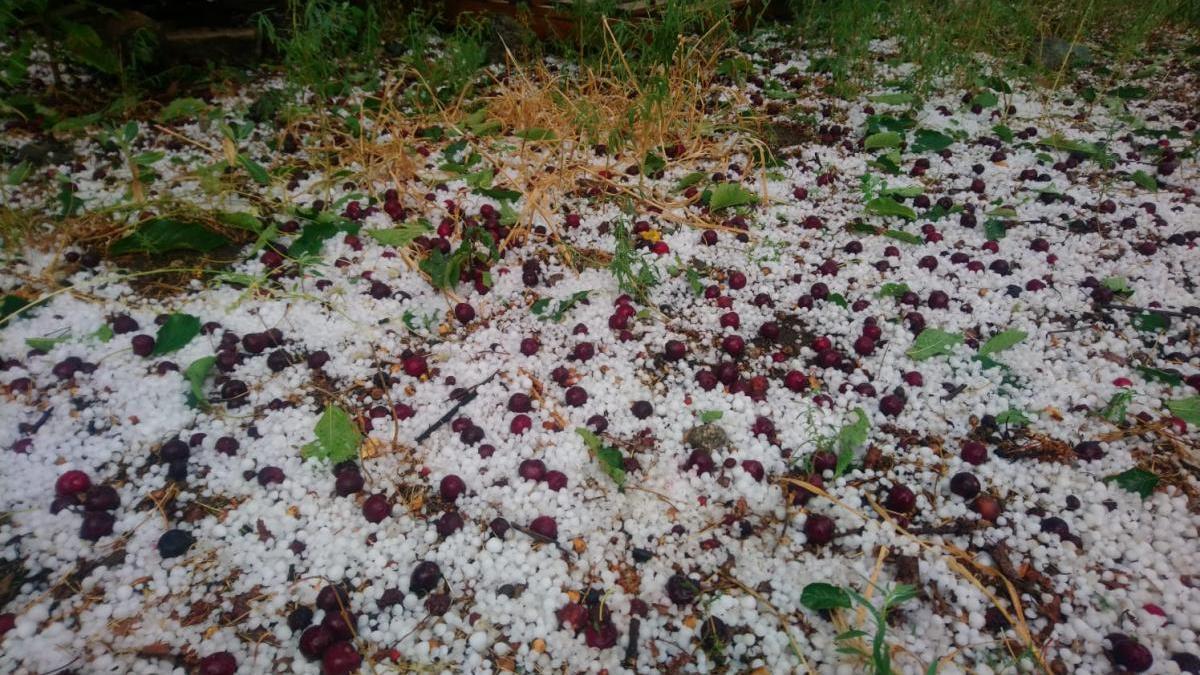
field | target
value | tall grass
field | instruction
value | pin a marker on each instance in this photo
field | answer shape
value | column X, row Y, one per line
column 942, row 36
column 317, row 39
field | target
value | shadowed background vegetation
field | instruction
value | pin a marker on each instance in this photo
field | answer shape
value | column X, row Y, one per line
column 150, row 48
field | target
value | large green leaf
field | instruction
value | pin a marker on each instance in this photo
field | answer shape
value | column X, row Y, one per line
column 892, row 290
column 256, row 171
column 1150, row 322
column 18, row 173
column 610, row 458
column 928, row 140
column 933, row 342
column 726, row 195
column 178, row 330
column 690, row 180
column 338, row 437
column 45, row 344
column 883, row 139
column 1001, row 341
column 195, row 374
column 886, row 206
column 160, row 235
column 11, row 305
column 1143, row 179
column 901, row 235
column 182, row 108
column 311, row 239
column 1186, row 409
column 1013, row 417
column 1117, row 406
column 535, row 134
column 1172, row 379
column 241, row 220
column 850, row 437
column 399, row 237
column 821, row 596
column 1139, row 481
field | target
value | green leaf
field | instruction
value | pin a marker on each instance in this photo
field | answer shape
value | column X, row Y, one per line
column 43, row 344
column 499, row 194
column 104, row 333
column 849, row 438
column 985, row 99
column 886, row 206
column 241, row 220
column 69, row 203
column 994, row 229
column 899, row 595
column 451, row 151
column 160, row 235
column 1117, row 406
column 854, row 434
column 19, row 173
column 1003, row 212
column 1118, row 285
column 1186, row 409
column 821, row 596
column 338, row 437
column 12, row 305
column 838, row 299
column 195, row 374
column 883, row 139
column 178, row 330
column 901, row 235
column 1131, row 92
column 399, row 237
column 653, row 163
column 1138, row 481
column 892, row 290
column 508, row 215
column 933, row 342
column 1150, row 322
column 539, row 306
column 1058, row 142
column 147, row 158
column 1159, row 375
column 311, row 239
column 443, row 270
column 894, row 98
column 535, row 134
column 85, row 45
column 566, row 305
column 609, row 457
column 726, row 195
column 1143, row 179
column 907, row 191
column 482, row 179
column 256, row 171
column 690, row 180
column 928, row 140
column 1001, row 341
column 1013, row 417
column 182, row 108
column 710, row 416
column 693, row 279
column 1004, row 133
column 851, row 635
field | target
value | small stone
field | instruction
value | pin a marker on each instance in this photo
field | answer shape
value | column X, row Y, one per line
column 709, row 437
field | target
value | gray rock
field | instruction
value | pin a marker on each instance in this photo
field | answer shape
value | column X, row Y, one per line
column 708, row 437
column 1051, row 53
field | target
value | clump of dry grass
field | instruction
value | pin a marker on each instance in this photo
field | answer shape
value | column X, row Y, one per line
column 679, row 112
